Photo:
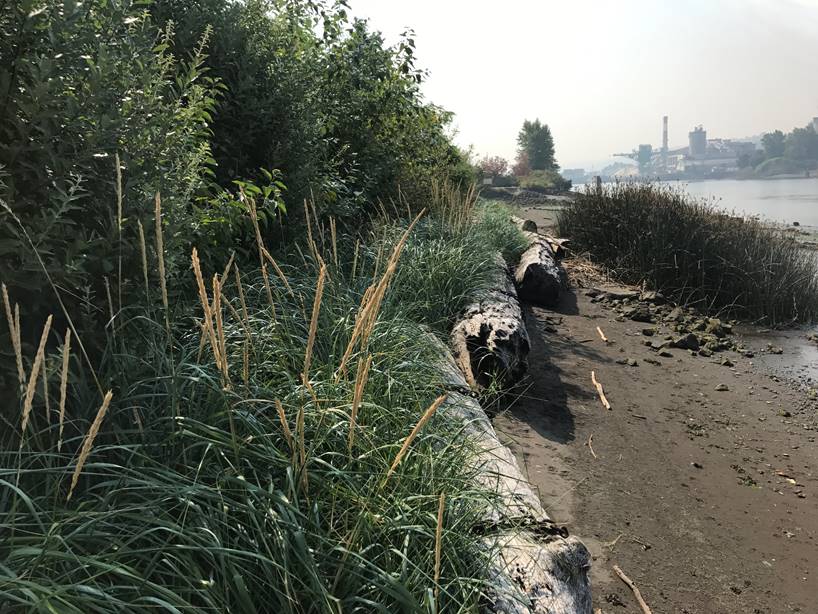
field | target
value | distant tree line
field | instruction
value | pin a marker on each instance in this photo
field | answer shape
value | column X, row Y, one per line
column 800, row 145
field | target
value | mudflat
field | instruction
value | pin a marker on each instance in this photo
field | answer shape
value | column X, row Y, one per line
column 700, row 482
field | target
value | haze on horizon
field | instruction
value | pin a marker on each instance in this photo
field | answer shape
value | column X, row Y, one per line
column 602, row 74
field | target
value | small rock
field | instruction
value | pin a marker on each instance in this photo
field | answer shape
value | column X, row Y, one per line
column 773, row 349
column 714, row 327
column 651, row 296
column 706, row 352
column 686, row 342
column 676, row 315
column 648, row 332
column 697, row 465
column 784, row 413
column 632, row 362
column 639, row 313
column 665, row 354
column 722, row 388
column 652, row 361
column 726, row 362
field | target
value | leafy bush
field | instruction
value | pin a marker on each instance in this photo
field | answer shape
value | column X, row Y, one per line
column 80, row 85
column 694, row 252
column 207, row 103
column 545, row 180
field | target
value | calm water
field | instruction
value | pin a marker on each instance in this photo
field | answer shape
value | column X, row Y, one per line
column 778, row 200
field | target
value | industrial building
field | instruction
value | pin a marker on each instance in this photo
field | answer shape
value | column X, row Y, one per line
column 701, row 156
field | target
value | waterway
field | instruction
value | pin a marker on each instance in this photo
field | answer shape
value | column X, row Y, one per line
column 776, row 200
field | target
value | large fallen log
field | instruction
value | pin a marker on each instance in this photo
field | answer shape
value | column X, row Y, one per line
column 539, row 277
column 557, row 245
column 490, row 342
column 536, row 568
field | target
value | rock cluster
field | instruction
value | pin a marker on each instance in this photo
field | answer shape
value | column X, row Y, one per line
column 689, row 330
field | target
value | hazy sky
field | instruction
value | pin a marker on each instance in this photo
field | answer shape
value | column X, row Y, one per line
column 602, row 73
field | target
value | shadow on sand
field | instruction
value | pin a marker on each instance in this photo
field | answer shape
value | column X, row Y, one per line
column 542, row 397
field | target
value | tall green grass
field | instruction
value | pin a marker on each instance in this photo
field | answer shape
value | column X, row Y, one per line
column 236, row 484
column 699, row 255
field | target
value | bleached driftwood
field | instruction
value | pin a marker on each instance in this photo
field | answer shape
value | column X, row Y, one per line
column 557, row 245
column 490, row 340
column 537, row 568
column 539, row 277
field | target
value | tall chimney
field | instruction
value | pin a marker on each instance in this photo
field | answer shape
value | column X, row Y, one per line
column 664, row 143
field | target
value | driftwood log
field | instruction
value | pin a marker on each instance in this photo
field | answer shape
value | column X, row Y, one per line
column 557, row 245
column 539, row 277
column 490, row 342
column 536, row 568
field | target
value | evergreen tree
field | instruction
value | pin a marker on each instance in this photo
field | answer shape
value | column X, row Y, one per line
column 536, row 143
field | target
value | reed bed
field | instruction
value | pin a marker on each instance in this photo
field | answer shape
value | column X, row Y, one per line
column 661, row 237
column 233, row 465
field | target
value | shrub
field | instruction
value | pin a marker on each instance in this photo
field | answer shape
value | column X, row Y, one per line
column 83, row 83
column 694, row 252
column 545, row 180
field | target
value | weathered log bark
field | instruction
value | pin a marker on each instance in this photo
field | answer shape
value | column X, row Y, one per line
column 539, row 277
column 490, row 340
column 536, row 568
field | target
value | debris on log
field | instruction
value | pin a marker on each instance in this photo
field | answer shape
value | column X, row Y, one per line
column 490, row 341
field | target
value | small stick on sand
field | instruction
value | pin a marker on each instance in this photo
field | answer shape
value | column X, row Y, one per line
column 602, row 335
column 633, row 588
column 590, row 445
column 600, row 391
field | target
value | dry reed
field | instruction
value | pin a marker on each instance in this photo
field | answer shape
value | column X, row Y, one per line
column 143, row 250
column 160, row 253
column 208, row 316
column 438, row 542
column 427, row 415
column 355, row 258
column 88, row 442
column 334, row 238
column 119, row 226
column 46, row 400
column 66, row 354
column 288, row 434
column 316, row 309
column 251, row 205
column 32, row 379
column 370, row 307
column 302, row 447
column 220, row 339
column 14, row 333
column 244, row 313
column 360, row 384
column 110, row 304
column 279, row 272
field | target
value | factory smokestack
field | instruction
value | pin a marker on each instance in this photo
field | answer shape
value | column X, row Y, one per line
column 664, row 143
